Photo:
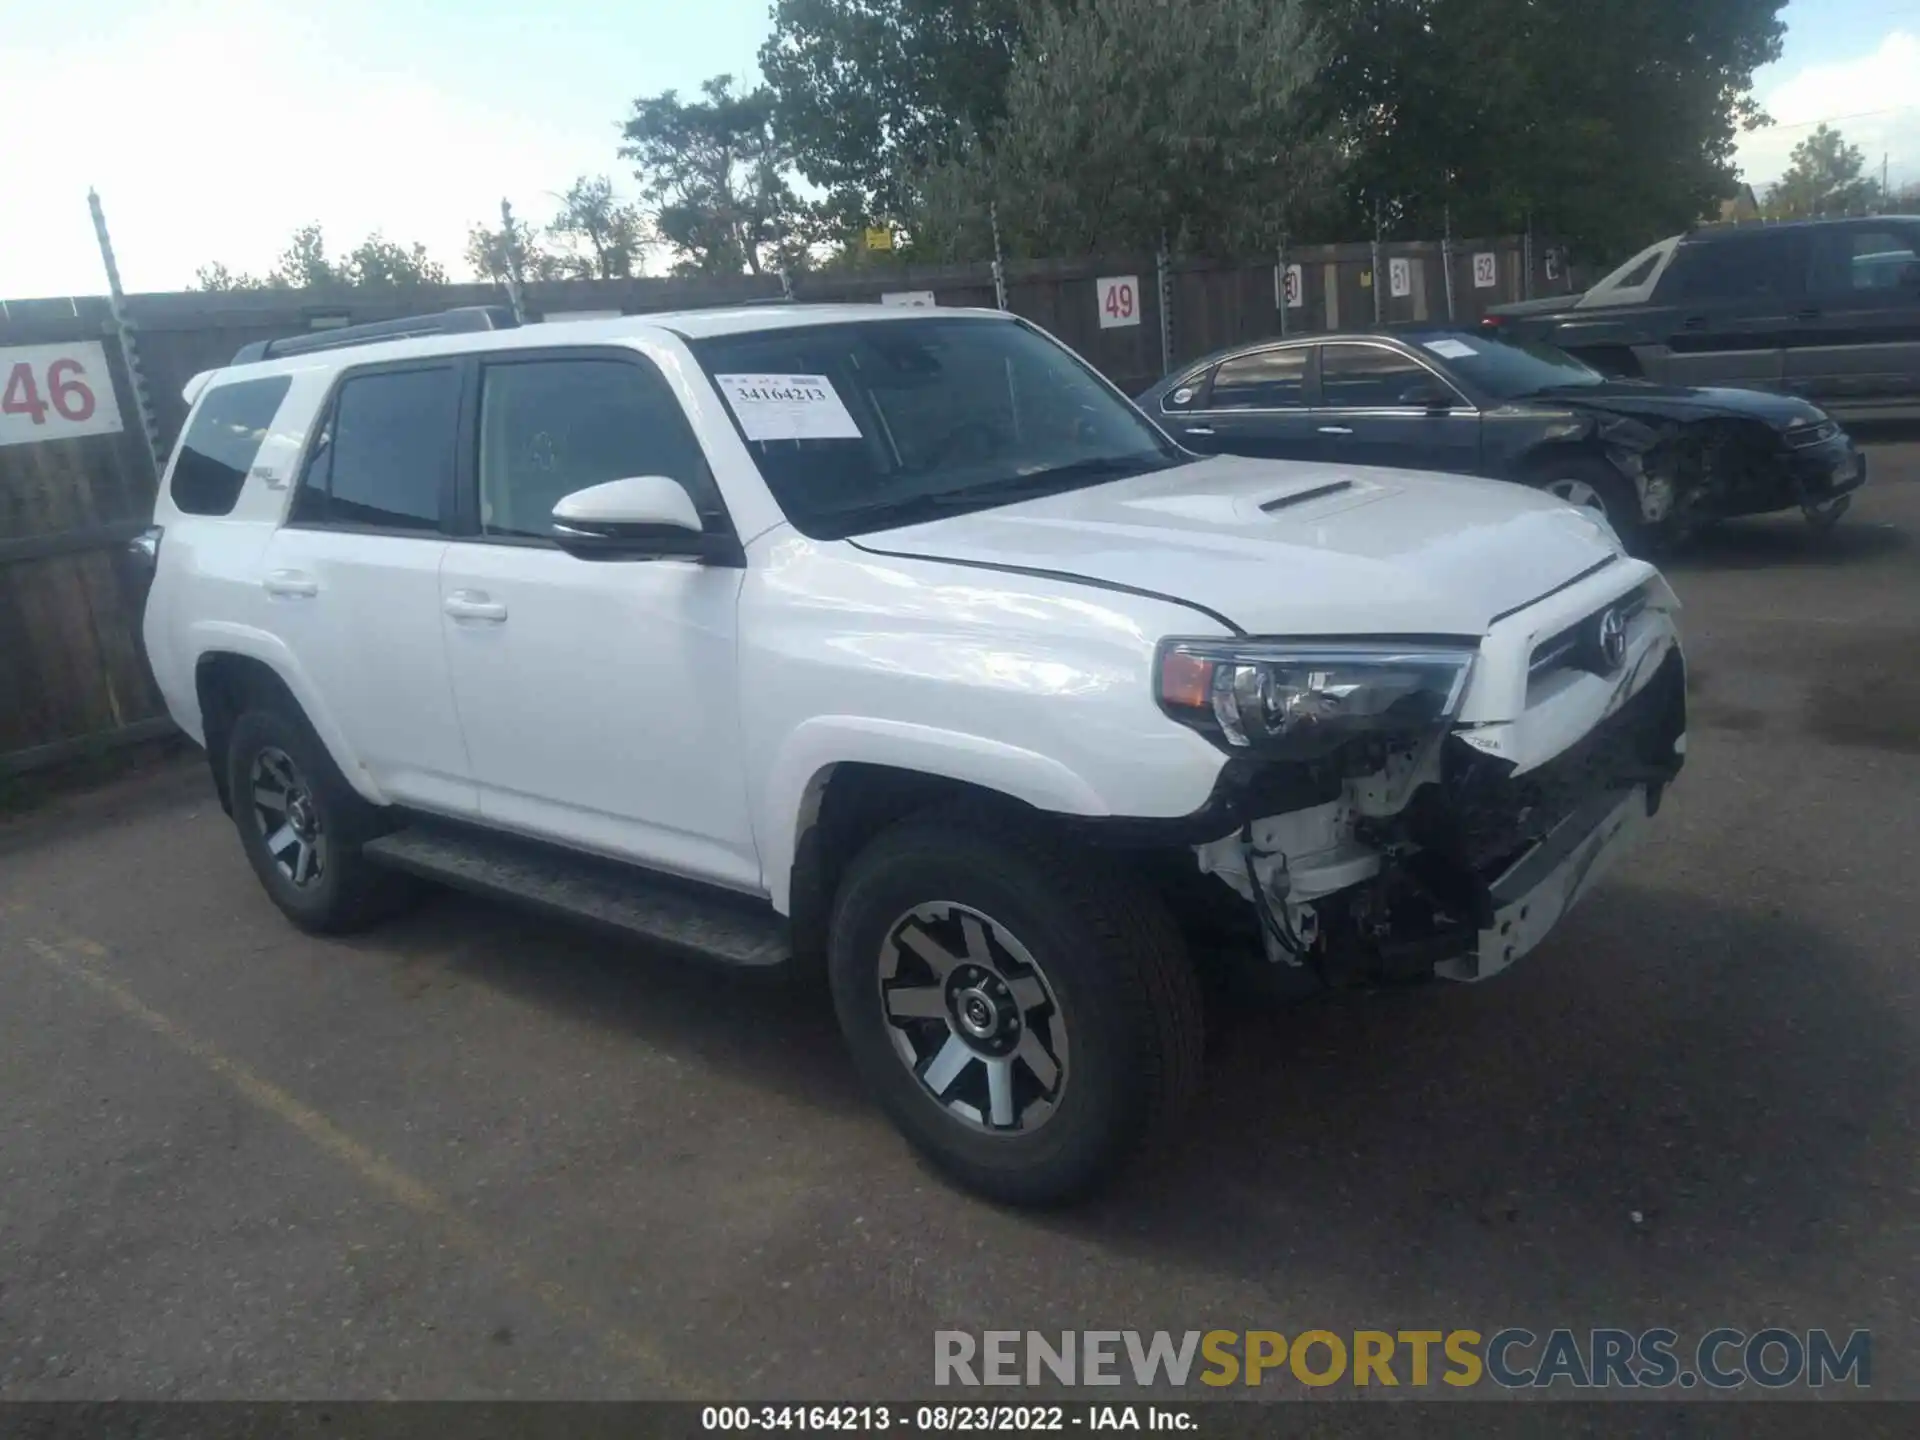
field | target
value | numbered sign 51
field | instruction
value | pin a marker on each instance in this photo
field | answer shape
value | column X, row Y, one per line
column 1399, row 278
column 1486, row 270
column 1293, row 287
column 1119, row 297
column 55, row 392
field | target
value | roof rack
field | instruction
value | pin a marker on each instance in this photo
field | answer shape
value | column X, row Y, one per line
column 464, row 321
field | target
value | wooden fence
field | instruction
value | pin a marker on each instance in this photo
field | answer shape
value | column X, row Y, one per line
column 71, row 672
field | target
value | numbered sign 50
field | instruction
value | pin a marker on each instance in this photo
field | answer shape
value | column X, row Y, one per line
column 55, row 392
column 1119, row 300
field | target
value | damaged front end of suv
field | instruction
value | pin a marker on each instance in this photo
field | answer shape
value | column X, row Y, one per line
column 1412, row 809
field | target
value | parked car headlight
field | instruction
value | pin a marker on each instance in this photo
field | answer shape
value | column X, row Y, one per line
column 1301, row 701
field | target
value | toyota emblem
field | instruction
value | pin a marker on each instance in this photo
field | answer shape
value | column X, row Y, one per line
column 1613, row 638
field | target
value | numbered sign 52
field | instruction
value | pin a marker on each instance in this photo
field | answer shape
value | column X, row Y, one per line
column 1486, row 270
column 1119, row 300
column 55, row 392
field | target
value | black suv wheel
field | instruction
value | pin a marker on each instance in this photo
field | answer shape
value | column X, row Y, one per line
column 1025, row 1017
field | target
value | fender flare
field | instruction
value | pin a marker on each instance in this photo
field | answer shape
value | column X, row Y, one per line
column 222, row 637
column 808, row 755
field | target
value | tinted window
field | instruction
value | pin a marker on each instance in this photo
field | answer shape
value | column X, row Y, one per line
column 1639, row 274
column 1186, row 394
column 1845, row 261
column 386, row 456
column 1265, row 380
column 874, row 423
column 551, row 427
column 221, row 444
column 1752, row 267
column 1361, row 377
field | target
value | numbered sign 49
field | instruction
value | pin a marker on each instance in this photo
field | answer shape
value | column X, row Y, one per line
column 55, row 392
column 1119, row 300
column 1486, row 270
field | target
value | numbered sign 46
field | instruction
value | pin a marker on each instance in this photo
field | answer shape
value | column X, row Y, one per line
column 55, row 392
column 1119, row 300
column 1486, row 270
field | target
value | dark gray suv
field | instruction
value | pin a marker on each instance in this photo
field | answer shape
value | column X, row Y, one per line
column 1825, row 309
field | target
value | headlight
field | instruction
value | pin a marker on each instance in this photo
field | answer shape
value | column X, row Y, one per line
column 1301, row 701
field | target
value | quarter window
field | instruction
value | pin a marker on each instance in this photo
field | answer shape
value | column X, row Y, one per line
column 1264, row 380
column 1753, row 267
column 385, row 458
column 1369, row 377
column 221, row 443
column 551, row 427
column 1855, row 259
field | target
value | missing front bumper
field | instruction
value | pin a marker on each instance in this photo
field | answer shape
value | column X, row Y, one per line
column 1533, row 896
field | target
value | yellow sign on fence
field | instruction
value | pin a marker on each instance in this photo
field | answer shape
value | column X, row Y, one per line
column 879, row 237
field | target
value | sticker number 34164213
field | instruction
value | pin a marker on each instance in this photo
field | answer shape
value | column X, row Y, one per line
column 55, row 392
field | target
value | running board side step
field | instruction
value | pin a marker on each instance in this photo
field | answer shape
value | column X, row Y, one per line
column 657, row 909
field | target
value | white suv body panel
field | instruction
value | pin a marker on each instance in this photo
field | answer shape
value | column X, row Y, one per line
column 685, row 716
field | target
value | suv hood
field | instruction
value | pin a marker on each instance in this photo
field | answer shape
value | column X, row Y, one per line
column 1646, row 401
column 1290, row 549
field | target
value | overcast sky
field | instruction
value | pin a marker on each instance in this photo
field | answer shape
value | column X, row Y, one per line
column 213, row 128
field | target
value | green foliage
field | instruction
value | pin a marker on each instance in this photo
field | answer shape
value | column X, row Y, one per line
column 375, row 263
column 715, row 172
column 1823, row 178
column 870, row 93
column 603, row 235
column 1111, row 143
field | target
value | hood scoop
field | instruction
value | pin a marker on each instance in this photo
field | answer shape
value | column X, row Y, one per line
column 1301, row 497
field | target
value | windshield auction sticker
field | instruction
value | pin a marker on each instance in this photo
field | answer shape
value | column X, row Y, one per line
column 788, row 407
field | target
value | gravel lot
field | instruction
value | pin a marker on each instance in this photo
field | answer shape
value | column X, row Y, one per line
column 477, row 1154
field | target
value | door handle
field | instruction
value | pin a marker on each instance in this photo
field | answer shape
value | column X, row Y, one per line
column 1694, row 322
column 291, row 584
column 1335, row 430
column 1199, row 430
column 1807, row 315
column 473, row 605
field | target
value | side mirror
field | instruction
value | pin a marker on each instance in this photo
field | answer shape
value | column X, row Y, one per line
column 640, row 518
column 1428, row 395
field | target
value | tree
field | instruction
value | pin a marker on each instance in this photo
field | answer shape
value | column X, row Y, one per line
column 716, row 174
column 1823, row 178
column 604, row 235
column 374, row 263
column 1111, row 144
column 1609, row 122
column 870, row 93
column 379, row 263
column 491, row 256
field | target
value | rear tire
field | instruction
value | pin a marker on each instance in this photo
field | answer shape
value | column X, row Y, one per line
column 1588, row 482
column 1025, row 1018
column 302, row 826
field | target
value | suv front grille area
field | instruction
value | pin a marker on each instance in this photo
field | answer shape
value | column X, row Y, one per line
column 1481, row 818
column 1578, row 646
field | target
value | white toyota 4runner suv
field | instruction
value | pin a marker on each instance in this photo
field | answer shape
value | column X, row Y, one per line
column 903, row 647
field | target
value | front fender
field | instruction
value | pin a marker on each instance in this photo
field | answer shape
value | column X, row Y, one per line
column 812, row 750
column 215, row 637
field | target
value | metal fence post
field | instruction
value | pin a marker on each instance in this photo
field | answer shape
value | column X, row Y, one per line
column 1526, row 261
column 1446, row 258
column 1379, row 305
column 1280, row 282
column 123, row 325
column 999, row 270
column 1166, row 307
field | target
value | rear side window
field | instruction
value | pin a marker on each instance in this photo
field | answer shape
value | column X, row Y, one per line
column 1267, row 380
column 1754, row 267
column 1368, row 377
column 221, row 443
column 385, row 459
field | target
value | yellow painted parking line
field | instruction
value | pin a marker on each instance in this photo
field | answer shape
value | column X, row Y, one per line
column 73, row 957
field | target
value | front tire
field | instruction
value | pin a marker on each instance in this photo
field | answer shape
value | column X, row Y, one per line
column 1026, row 1018
column 1822, row 519
column 302, row 826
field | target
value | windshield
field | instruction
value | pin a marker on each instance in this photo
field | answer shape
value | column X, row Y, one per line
column 876, row 423
column 1509, row 369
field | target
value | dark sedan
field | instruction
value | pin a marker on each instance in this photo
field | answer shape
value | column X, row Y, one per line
column 1658, row 460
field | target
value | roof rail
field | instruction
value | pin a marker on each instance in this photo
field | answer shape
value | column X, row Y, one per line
column 464, row 321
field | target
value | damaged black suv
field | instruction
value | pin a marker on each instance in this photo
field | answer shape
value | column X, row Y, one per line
column 1658, row 461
